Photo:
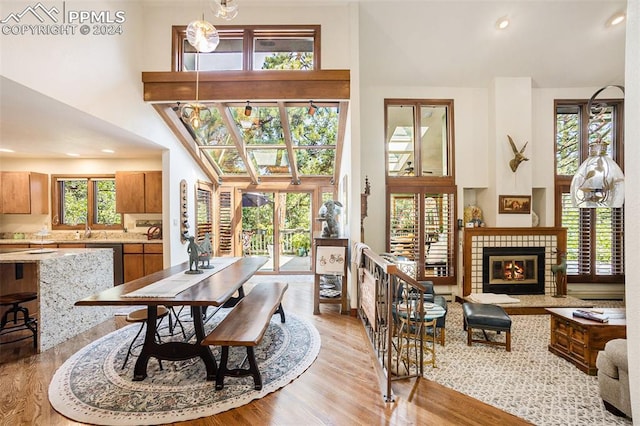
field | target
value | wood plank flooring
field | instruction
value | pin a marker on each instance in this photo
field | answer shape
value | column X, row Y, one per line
column 340, row 388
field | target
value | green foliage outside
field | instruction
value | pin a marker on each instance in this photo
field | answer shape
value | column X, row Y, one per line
column 75, row 205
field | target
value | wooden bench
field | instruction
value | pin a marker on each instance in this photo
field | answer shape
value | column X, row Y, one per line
column 245, row 326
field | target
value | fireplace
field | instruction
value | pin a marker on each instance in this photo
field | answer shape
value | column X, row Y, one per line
column 513, row 270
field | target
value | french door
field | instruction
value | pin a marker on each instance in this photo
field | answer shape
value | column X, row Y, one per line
column 278, row 225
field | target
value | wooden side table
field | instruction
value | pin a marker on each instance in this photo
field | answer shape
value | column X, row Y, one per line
column 337, row 264
column 579, row 340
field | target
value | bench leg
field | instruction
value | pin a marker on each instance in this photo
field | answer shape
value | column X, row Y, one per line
column 222, row 368
column 469, row 337
column 508, row 340
column 253, row 369
column 281, row 312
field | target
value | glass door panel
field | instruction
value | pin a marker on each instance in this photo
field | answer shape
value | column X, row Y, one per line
column 257, row 226
column 295, row 232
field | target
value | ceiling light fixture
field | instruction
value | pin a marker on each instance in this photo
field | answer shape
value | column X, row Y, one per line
column 203, row 36
column 6, row 150
column 502, row 23
column 616, row 19
column 225, row 9
column 312, row 109
column 108, row 151
column 248, row 109
column 73, row 154
column 599, row 181
column 196, row 114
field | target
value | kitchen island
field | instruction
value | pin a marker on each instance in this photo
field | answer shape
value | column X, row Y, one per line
column 59, row 277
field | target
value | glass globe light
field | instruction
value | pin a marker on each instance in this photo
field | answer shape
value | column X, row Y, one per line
column 203, row 36
column 225, row 9
column 599, row 181
column 196, row 115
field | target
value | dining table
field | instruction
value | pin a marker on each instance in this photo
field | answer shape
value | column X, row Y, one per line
column 222, row 286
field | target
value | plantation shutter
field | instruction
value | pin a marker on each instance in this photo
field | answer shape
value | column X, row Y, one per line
column 404, row 228
column 225, row 208
column 204, row 215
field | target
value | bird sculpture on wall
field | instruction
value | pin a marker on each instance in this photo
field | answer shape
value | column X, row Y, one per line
column 518, row 156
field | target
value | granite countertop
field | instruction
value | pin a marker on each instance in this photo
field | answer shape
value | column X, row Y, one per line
column 37, row 255
column 81, row 241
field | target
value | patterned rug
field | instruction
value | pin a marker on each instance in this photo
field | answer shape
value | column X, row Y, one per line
column 92, row 387
column 529, row 382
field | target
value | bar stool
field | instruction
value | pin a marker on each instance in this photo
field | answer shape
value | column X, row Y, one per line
column 15, row 300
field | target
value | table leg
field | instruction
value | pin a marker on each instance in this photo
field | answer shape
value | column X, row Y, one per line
column 174, row 351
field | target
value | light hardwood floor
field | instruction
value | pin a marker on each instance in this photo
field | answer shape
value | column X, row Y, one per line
column 340, row 388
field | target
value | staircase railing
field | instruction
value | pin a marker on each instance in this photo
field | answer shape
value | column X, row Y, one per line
column 384, row 293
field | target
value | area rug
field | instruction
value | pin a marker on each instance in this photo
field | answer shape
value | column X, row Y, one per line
column 92, row 387
column 529, row 382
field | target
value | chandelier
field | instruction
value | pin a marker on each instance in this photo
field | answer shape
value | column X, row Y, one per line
column 599, row 181
column 204, row 37
column 225, row 9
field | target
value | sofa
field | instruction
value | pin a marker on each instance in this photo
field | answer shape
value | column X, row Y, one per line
column 613, row 377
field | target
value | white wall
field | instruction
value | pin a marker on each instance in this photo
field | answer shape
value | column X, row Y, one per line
column 632, row 201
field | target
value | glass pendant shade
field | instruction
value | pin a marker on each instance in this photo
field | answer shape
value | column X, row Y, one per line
column 195, row 115
column 599, row 181
column 225, row 9
column 203, row 36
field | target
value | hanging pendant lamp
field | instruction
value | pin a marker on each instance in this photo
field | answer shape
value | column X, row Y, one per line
column 599, row 181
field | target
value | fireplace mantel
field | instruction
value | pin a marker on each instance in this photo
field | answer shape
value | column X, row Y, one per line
column 475, row 239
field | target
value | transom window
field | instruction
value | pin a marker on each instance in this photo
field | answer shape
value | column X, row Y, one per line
column 595, row 237
column 252, row 48
column 80, row 201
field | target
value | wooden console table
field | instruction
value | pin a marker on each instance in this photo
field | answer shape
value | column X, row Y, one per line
column 339, row 267
column 579, row 340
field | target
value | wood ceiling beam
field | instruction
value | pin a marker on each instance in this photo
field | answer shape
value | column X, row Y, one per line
column 242, row 85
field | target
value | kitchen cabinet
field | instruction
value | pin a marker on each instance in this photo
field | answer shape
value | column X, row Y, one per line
column 24, row 193
column 141, row 259
column 139, row 192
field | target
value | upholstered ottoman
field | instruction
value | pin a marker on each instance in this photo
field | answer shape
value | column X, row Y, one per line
column 486, row 317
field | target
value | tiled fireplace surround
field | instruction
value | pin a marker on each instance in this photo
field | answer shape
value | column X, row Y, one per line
column 476, row 239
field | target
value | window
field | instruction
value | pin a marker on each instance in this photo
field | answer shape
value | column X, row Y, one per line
column 419, row 130
column 421, row 194
column 204, row 213
column 252, row 48
column 80, row 201
column 595, row 237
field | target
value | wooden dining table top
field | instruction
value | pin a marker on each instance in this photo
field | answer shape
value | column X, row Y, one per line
column 213, row 290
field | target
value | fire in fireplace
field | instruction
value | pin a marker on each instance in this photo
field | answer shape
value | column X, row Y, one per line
column 513, row 270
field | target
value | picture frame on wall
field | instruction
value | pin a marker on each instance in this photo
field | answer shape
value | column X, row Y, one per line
column 514, row 204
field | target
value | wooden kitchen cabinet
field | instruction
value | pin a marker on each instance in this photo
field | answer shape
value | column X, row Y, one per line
column 141, row 259
column 153, row 261
column 24, row 193
column 139, row 192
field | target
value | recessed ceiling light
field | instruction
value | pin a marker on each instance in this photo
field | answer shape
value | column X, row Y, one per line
column 73, row 154
column 6, row 150
column 108, row 151
column 502, row 23
column 616, row 19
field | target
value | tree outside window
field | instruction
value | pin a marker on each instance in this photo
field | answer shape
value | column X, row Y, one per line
column 80, row 201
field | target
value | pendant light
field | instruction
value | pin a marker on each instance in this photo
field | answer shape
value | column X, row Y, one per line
column 204, row 37
column 225, row 9
column 599, row 181
column 196, row 114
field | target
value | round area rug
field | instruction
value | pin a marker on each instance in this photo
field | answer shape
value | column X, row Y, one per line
column 92, row 387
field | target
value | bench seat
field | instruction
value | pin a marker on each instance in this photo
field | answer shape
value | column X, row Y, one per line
column 245, row 325
column 486, row 317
